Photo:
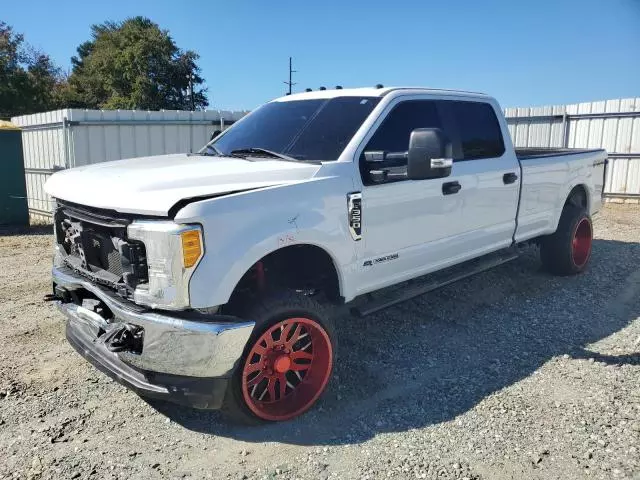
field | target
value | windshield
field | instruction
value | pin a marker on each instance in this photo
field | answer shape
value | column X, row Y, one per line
column 316, row 129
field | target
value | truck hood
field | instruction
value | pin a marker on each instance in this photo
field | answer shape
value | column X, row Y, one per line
column 152, row 185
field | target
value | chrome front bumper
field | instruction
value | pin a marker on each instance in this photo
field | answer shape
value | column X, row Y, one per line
column 171, row 345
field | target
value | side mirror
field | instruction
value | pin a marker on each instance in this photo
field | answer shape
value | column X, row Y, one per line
column 430, row 154
column 215, row 134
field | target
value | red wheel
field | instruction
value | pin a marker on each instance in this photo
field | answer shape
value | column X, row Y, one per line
column 581, row 243
column 287, row 362
column 567, row 251
column 287, row 369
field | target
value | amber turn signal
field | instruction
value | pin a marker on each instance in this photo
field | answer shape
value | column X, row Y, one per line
column 191, row 247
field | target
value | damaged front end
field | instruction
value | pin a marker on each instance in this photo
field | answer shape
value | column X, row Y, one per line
column 148, row 261
column 122, row 283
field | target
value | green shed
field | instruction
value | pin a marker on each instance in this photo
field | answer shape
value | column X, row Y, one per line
column 13, row 192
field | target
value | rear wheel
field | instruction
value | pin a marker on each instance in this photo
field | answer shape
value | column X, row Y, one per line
column 568, row 250
column 287, row 362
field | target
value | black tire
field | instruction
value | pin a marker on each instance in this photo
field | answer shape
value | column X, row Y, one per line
column 268, row 310
column 568, row 250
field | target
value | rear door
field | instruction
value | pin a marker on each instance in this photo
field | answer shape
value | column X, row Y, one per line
column 490, row 171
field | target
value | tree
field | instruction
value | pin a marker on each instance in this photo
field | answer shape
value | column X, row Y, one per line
column 133, row 65
column 28, row 78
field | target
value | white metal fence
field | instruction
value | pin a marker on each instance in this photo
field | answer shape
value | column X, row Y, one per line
column 611, row 124
column 73, row 137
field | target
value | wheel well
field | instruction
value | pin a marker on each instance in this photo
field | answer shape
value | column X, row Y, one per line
column 301, row 267
column 578, row 197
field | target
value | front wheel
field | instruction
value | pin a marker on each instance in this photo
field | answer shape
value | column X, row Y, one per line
column 287, row 362
column 568, row 250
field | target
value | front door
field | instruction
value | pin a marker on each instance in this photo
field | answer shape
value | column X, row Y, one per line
column 401, row 217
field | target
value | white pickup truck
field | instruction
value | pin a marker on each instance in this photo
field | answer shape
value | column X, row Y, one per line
column 211, row 279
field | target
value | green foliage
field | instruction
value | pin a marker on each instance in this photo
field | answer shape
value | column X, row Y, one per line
column 29, row 81
column 133, row 65
column 129, row 65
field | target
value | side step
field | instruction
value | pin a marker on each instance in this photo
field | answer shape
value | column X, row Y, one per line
column 390, row 296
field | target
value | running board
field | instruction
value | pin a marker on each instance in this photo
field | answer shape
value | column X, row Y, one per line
column 414, row 288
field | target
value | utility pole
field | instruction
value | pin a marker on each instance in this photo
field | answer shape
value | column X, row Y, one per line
column 291, row 72
column 193, row 103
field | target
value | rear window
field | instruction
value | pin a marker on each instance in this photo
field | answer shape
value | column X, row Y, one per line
column 478, row 129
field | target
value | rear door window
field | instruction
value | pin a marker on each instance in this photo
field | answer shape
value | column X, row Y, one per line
column 478, row 130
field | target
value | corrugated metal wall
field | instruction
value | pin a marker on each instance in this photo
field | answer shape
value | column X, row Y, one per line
column 612, row 124
column 44, row 146
column 72, row 137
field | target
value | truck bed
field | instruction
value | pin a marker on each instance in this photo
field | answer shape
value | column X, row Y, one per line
column 528, row 153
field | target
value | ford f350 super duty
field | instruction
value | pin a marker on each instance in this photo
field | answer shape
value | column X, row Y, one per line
column 210, row 279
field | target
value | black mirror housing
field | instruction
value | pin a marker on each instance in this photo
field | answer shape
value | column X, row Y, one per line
column 430, row 154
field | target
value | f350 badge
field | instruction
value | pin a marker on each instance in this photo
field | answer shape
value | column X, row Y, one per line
column 354, row 202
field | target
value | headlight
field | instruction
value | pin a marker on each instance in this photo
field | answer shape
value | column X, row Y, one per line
column 173, row 252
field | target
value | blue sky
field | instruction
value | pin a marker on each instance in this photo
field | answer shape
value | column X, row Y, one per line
column 524, row 52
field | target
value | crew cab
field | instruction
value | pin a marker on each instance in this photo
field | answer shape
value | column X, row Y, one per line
column 213, row 279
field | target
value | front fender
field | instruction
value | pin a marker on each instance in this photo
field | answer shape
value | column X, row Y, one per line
column 242, row 228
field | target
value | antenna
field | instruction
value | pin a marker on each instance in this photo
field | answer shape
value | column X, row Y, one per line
column 291, row 83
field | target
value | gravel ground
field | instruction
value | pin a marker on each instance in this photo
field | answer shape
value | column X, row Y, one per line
column 510, row 374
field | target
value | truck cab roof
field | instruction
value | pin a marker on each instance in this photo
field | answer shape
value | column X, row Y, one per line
column 374, row 92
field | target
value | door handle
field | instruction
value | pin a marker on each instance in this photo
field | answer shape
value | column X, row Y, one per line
column 450, row 188
column 509, row 178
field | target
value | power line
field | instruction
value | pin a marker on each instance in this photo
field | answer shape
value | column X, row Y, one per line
column 291, row 72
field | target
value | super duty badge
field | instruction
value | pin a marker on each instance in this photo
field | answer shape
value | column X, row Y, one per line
column 354, row 201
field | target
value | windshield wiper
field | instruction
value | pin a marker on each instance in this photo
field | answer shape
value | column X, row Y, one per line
column 263, row 152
